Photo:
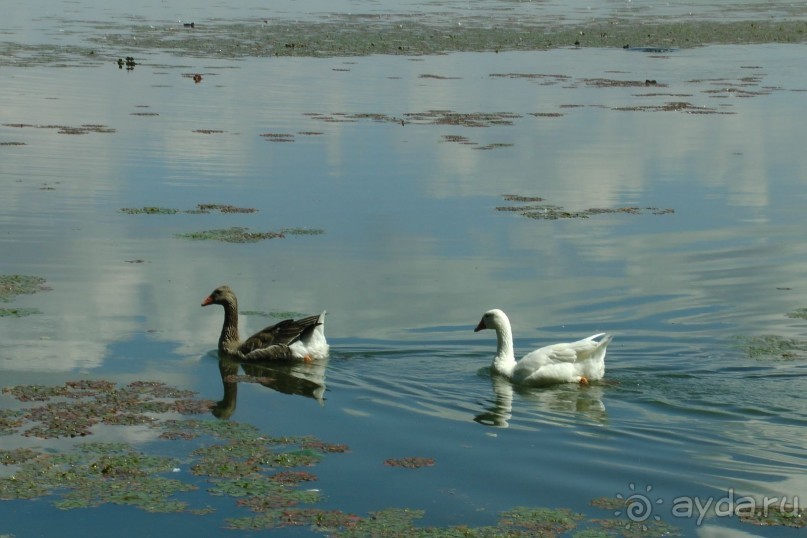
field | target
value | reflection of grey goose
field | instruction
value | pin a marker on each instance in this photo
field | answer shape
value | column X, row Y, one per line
column 301, row 339
column 575, row 362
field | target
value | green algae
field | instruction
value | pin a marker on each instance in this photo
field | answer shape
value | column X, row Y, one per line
column 73, row 409
column 200, row 209
column 771, row 346
column 234, row 234
column 780, row 516
column 18, row 312
column 239, row 234
column 13, row 285
column 149, row 210
column 413, row 35
column 800, row 313
column 410, row 463
column 91, row 474
column 361, row 36
column 544, row 211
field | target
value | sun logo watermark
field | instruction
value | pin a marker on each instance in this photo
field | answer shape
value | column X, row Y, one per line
column 639, row 507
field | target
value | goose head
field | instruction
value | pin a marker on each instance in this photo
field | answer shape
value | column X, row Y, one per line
column 222, row 295
column 492, row 319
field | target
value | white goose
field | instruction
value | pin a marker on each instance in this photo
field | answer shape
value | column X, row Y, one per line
column 575, row 362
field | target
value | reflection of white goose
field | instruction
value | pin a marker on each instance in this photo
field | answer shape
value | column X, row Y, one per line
column 500, row 412
column 575, row 362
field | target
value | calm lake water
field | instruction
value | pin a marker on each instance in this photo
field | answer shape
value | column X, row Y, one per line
column 408, row 165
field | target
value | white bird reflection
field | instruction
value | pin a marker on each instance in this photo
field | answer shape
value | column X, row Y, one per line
column 566, row 399
column 296, row 378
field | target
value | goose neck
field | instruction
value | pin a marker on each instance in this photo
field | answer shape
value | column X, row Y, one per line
column 229, row 338
column 504, row 362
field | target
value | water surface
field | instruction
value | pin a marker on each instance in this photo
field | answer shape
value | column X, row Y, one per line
column 405, row 163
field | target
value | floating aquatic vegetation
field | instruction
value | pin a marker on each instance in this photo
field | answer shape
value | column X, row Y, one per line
column 239, row 234
column 224, row 208
column 235, row 234
column 10, row 421
column 623, row 528
column 800, row 313
column 243, row 466
column 326, row 521
column 302, row 231
column 781, row 516
column 208, row 131
column 409, row 463
column 13, row 285
column 81, row 405
column 200, row 209
column 95, row 474
column 609, row 503
column 674, row 106
column 494, row 145
column 67, row 129
column 278, row 137
column 149, row 210
column 554, row 212
column 545, row 79
column 429, row 117
column 773, row 346
column 17, row 456
column 611, row 83
column 293, row 478
column 13, row 144
column 540, row 521
column 18, row 312
column 467, row 142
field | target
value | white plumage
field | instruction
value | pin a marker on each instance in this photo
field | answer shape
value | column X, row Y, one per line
column 575, row 362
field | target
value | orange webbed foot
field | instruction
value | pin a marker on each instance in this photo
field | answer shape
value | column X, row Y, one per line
column 583, row 380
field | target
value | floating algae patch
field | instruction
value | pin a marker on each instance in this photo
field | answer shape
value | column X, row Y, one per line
column 800, row 313
column 18, row 312
column 243, row 465
column 73, row 409
column 67, row 129
column 235, row 234
column 777, row 515
column 540, row 521
column 302, row 231
column 554, row 212
column 149, row 210
column 278, row 137
column 95, row 474
column 771, row 346
column 200, row 209
column 222, row 208
column 13, row 285
column 357, row 35
column 239, row 234
column 410, row 463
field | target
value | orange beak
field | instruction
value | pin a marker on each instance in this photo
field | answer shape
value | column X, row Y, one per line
column 208, row 301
